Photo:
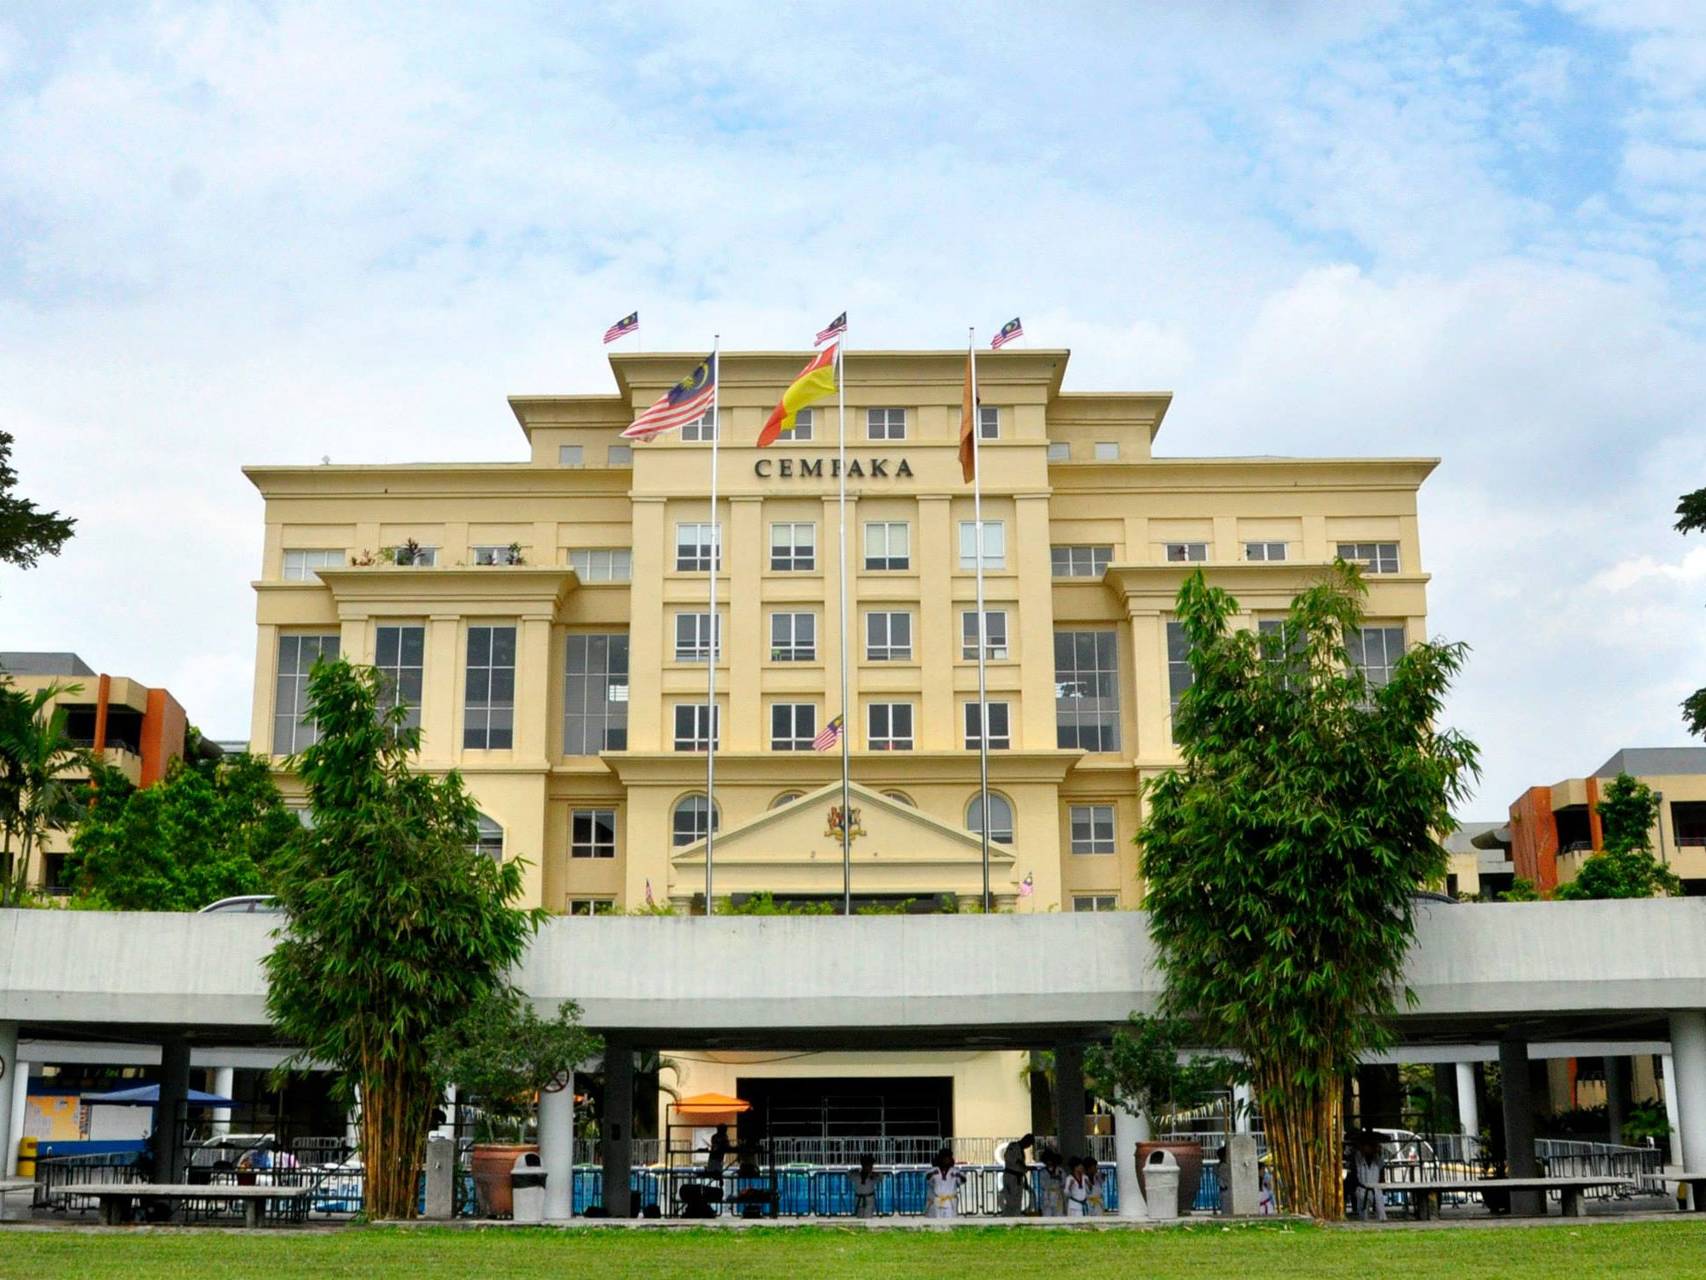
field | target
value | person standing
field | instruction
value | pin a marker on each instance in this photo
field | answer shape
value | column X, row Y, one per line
column 1053, row 1180
column 1367, row 1199
column 864, row 1183
column 1077, row 1189
column 942, row 1187
column 1094, row 1206
column 1015, row 1170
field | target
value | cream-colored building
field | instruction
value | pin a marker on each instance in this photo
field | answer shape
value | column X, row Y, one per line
column 551, row 631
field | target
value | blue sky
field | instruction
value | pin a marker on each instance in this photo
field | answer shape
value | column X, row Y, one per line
column 268, row 233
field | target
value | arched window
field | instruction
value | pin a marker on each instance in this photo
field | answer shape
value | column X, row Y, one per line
column 693, row 819
column 900, row 797
column 1000, row 815
column 787, row 797
column 489, row 839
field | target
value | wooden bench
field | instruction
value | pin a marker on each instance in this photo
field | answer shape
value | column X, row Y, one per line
column 1571, row 1190
column 119, row 1200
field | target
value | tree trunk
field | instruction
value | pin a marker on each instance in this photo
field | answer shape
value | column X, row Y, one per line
column 396, row 1102
column 1303, row 1112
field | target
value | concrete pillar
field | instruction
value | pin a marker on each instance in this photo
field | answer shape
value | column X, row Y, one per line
column 1667, row 1083
column 1519, row 1123
column 224, row 1080
column 11, row 1113
column 172, row 1113
column 1069, row 1100
column 1240, row 1177
column 1688, row 1054
column 616, row 1137
column 1616, row 1085
column 440, row 1178
column 1243, row 1100
column 557, row 1149
column 1468, row 1101
column 352, row 1122
column 1129, row 1130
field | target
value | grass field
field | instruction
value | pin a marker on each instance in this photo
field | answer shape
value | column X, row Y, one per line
column 1635, row 1249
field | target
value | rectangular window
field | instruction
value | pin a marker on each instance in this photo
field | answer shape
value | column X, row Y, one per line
column 1095, row 902
column 592, row 906
column 888, row 726
column 885, row 424
column 693, row 727
column 602, row 564
column 888, row 637
column 1268, row 551
column 1107, row 451
column 1179, row 674
column 299, row 565
column 569, row 455
column 994, row 635
column 988, row 422
column 1376, row 650
column 695, row 545
column 1186, row 552
column 1278, row 647
column 488, row 712
column 399, row 654
column 793, row 725
column 994, row 544
column 415, row 557
column 1059, row 451
column 1092, row 828
column 620, row 455
column 292, row 730
column 888, row 545
column 1079, row 561
column 592, row 833
column 693, row 637
column 793, row 637
column 494, row 554
column 804, row 421
column 1374, row 557
column 793, row 547
column 1000, row 728
column 1087, row 690
column 703, row 429
column 595, row 695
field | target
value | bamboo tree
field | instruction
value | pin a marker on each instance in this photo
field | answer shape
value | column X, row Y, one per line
column 396, row 925
column 1281, row 859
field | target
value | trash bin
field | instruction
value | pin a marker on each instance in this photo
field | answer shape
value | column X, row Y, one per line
column 1161, row 1176
column 527, row 1188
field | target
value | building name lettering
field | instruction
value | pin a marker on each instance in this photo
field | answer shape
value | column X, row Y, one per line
column 818, row 468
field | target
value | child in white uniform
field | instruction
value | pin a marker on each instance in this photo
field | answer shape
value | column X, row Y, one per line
column 1077, row 1190
column 942, row 1187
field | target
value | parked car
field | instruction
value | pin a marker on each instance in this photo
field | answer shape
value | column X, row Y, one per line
column 256, row 902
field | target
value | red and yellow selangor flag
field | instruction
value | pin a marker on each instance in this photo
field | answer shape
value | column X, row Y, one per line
column 814, row 382
column 968, row 418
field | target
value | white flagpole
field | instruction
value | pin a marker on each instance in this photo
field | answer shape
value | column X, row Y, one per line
column 841, row 578
column 982, row 639
column 711, row 665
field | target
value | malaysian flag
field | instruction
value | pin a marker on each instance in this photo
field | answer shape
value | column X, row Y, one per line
column 623, row 327
column 687, row 401
column 828, row 736
column 1012, row 329
column 835, row 326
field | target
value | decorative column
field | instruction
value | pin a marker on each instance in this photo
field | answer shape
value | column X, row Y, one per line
column 172, row 1112
column 1519, row 1122
column 1069, row 1099
column 1616, row 1085
column 1129, row 1130
column 1468, row 1101
column 11, row 1112
column 557, row 1147
column 1688, row 1053
column 224, row 1079
column 617, row 1137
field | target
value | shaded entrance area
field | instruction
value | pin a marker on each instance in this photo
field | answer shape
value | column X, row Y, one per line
column 836, row 1118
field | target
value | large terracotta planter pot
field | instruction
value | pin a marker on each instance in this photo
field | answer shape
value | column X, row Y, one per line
column 493, row 1163
column 1189, row 1156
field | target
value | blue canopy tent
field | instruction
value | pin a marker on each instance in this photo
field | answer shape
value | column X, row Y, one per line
column 148, row 1095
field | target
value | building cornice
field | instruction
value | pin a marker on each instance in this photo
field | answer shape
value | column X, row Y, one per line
column 808, row 769
column 439, row 479
column 526, row 591
column 1233, row 475
column 1149, row 584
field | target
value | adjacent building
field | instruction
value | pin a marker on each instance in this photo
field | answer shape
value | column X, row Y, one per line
column 129, row 726
column 545, row 623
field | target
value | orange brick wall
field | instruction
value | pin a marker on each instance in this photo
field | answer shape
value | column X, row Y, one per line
column 163, row 725
column 1534, row 838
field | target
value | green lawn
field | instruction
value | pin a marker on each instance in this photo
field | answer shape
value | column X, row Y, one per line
column 1626, row 1250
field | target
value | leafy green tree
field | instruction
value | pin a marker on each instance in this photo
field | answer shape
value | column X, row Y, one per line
column 36, row 796
column 1282, row 858
column 1691, row 518
column 26, row 532
column 396, row 925
column 202, row 833
column 1625, row 866
column 503, row 1053
column 1140, row 1070
column 1522, row 890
